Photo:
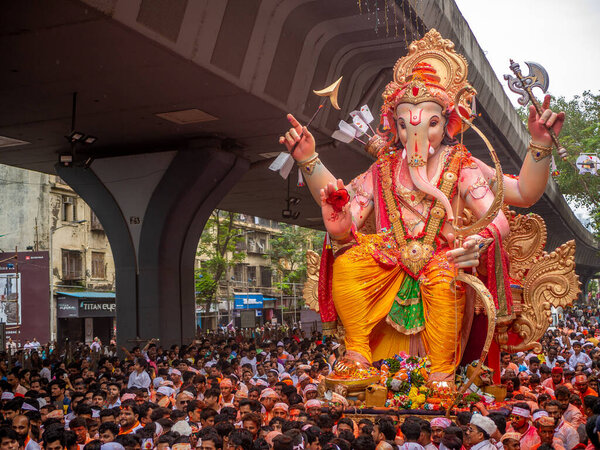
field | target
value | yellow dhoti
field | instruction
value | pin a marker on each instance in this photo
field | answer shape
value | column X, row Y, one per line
column 364, row 291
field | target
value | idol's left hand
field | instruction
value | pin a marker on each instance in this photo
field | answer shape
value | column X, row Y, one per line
column 539, row 124
column 467, row 255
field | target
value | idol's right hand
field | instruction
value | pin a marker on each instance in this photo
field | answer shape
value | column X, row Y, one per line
column 298, row 134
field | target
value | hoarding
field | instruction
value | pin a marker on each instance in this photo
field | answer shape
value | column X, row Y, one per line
column 10, row 299
column 250, row 300
column 24, row 295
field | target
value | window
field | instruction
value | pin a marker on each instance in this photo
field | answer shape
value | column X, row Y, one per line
column 238, row 272
column 240, row 245
column 251, row 275
column 265, row 276
column 257, row 243
column 72, row 265
column 98, row 266
column 69, row 210
column 95, row 224
column 264, row 222
column 252, row 247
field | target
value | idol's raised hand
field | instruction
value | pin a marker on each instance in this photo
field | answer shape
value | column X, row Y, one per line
column 335, row 206
column 300, row 135
column 539, row 125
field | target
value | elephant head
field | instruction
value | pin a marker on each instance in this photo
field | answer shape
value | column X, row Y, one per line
column 421, row 126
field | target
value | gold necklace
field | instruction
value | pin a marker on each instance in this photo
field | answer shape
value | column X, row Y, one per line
column 416, row 253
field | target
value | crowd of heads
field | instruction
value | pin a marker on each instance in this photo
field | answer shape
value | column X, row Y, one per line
column 265, row 391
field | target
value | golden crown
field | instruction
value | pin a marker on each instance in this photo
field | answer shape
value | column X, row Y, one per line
column 431, row 71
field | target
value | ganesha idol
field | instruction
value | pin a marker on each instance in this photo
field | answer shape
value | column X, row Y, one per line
column 391, row 280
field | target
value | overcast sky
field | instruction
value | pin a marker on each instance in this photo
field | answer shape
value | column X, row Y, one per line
column 563, row 36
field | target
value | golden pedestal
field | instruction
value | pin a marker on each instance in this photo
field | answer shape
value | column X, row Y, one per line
column 354, row 386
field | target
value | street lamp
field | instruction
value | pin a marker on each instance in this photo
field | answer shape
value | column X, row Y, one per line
column 53, row 319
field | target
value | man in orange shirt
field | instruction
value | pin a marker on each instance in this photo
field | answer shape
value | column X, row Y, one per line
column 79, row 427
column 545, row 430
column 128, row 418
column 520, row 423
column 582, row 387
column 268, row 398
column 570, row 413
column 556, row 379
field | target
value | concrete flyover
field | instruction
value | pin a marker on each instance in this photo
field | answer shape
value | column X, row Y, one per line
column 243, row 64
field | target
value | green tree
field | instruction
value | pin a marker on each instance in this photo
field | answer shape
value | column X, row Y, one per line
column 580, row 134
column 288, row 253
column 217, row 248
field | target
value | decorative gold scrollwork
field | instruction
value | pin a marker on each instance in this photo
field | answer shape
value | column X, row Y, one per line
column 468, row 218
column 525, row 243
column 550, row 281
column 310, row 292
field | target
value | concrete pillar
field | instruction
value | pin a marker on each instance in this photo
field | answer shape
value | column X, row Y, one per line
column 585, row 280
column 153, row 208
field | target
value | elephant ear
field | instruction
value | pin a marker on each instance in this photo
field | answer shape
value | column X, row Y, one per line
column 454, row 123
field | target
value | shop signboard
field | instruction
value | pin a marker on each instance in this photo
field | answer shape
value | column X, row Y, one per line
column 78, row 306
column 251, row 300
column 101, row 307
column 66, row 307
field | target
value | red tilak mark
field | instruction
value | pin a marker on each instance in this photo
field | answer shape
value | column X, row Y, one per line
column 414, row 119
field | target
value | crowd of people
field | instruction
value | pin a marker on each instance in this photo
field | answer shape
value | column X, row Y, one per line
column 234, row 392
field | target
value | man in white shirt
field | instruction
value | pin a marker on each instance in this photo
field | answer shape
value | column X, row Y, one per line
column 551, row 358
column 11, row 346
column 534, row 366
column 45, row 372
column 35, row 345
column 579, row 357
column 250, row 358
column 113, row 396
column 563, row 432
column 96, row 346
column 22, row 427
column 139, row 378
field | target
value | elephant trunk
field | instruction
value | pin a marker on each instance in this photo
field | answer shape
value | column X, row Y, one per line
column 417, row 151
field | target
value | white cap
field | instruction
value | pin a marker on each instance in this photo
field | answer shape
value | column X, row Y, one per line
column 165, row 390
column 27, row 407
column 485, row 423
column 182, row 427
